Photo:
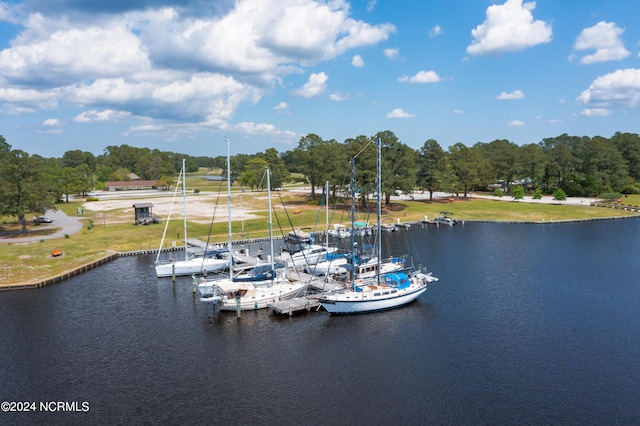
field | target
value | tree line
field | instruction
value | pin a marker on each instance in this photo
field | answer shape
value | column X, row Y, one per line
column 578, row 165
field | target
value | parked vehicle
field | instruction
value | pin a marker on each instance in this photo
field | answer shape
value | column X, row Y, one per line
column 42, row 219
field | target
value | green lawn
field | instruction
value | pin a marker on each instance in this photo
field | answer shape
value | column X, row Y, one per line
column 26, row 262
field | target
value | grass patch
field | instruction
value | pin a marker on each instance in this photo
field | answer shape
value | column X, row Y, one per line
column 26, row 262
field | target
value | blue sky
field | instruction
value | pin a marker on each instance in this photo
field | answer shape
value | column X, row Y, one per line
column 181, row 75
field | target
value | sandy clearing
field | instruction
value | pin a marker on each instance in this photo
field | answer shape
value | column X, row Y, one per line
column 199, row 210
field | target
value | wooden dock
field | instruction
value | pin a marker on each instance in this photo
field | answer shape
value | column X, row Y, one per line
column 295, row 305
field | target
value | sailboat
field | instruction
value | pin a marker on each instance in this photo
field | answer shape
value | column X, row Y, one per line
column 257, row 288
column 209, row 261
column 384, row 291
column 341, row 265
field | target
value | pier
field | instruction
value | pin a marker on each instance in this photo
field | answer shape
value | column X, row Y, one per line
column 295, row 305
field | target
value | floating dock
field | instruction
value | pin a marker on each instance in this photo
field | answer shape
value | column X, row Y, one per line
column 295, row 305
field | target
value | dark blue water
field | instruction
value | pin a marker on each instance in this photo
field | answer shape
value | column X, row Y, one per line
column 529, row 324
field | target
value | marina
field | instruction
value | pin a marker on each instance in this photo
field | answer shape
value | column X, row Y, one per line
column 493, row 342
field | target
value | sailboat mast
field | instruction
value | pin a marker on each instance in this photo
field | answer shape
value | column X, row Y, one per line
column 270, row 221
column 184, row 205
column 353, row 231
column 379, row 208
column 229, row 209
column 326, row 200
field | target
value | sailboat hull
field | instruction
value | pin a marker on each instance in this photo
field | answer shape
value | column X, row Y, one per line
column 190, row 267
column 372, row 298
column 260, row 298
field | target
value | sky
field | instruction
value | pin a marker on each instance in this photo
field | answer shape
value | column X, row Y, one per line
column 183, row 75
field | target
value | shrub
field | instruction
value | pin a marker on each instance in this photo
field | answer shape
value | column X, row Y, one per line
column 498, row 193
column 610, row 196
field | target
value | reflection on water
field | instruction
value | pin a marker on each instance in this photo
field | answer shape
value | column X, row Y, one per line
column 529, row 324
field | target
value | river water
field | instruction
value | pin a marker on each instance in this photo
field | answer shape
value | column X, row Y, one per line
column 528, row 325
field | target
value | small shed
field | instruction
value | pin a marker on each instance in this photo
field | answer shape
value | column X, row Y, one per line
column 144, row 213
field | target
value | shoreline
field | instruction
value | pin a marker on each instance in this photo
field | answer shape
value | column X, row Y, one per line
column 115, row 255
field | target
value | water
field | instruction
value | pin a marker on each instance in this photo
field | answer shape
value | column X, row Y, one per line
column 529, row 324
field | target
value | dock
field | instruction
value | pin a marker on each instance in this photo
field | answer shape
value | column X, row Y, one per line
column 295, row 305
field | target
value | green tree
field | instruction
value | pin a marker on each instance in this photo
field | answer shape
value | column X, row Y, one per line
column 310, row 159
column 559, row 195
column 503, row 158
column 432, row 168
column 279, row 172
column 518, row 193
column 532, row 159
column 254, row 174
column 628, row 145
column 24, row 188
column 398, row 165
column 559, row 159
column 363, row 150
column 76, row 157
column 464, row 163
column 537, row 195
column 69, row 181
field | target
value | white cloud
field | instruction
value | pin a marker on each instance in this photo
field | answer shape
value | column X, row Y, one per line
column 515, row 123
column 619, row 89
column 399, row 113
column 316, row 85
column 264, row 129
column 148, row 128
column 282, row 107
column 29, row 100
column 508, row 27
column 516, row 94
column 421, row 77
column 371, row 4
column 338, row 97
column 604, row 38
column 10, row 12
column 435, row 31
column 596, row 112
column 357, row 61
column 107, row 115
column 167, row 65
column 391, row 53
column 458, row 111
column 52, row 122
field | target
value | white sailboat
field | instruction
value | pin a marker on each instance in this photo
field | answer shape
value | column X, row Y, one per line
column 209, row 261
column 384, row 291
column 256, row 289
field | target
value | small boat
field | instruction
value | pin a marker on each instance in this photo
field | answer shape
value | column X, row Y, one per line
column 309, row 255
column 341, row 266
column 300, row 235
column 445, row 219
column 387, row 226
column 212, row 261
column 259, row 275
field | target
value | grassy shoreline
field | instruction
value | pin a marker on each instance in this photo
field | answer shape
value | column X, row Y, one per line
column 32, row 261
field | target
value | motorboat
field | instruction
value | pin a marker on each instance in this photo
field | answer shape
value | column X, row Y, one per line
column 445, row 219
